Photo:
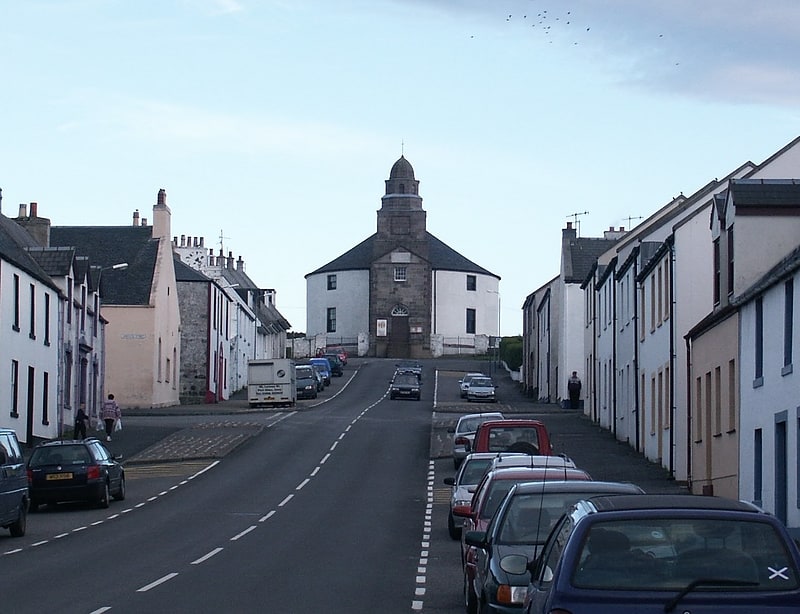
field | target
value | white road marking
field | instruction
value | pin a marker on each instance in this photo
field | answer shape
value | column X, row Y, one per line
column 303, row 483
column 243, row 533
column 205, row 557
column 166, row 578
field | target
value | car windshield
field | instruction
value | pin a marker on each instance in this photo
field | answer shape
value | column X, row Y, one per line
column 528, row 518
column 480, row 382
column 474, row 470
column 673, row 553
column 470, row 425
column 406, row 379
column 503, row 437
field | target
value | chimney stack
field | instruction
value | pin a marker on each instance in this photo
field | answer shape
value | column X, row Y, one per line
column 23, row 210
column 569, row 225
column 34, row 209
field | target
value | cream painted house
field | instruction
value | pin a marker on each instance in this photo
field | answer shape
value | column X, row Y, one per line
column 140, row 304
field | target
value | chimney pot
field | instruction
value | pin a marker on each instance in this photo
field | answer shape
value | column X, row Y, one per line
column 622, row 228
column 144, row 221
column 162, row 197
column 23, row 210
column 136, row 217
column 202, row 241
column 34, row 209
column 569, row 225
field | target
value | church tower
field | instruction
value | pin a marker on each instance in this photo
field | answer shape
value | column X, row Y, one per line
column 400, row 275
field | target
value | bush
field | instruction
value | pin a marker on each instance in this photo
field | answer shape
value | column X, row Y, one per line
column 511, row 352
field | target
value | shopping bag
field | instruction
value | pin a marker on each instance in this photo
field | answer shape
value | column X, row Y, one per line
column 100, row 425
column 118, row 425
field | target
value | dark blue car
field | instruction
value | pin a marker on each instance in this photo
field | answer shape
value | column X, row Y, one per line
column 665, row 553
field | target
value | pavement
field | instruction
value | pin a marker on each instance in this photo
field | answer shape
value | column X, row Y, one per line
column 227, row 424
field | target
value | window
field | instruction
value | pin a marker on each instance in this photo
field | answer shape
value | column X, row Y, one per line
column 69, row 300
column 32, row 333
column 332, row 282
column 15, row 325
column 730, row 261
column 759, row 343
column 45, row 397
column 68, row 379
column 14, row 389
column 732, row 395
column 788, row 316
column 331, row 320
column 717, row 401
column 758, row 465
column 698, row 412
column 470, row 321
column 472, row 283
column 716, row 271
column 83, row 308
column 660, row 295
column 47, row 319
column 400, row 273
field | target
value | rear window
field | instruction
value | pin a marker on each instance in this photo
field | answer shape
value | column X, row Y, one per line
column 503, row 437
column 474, row 470
column 60, row 455
column 671, row 553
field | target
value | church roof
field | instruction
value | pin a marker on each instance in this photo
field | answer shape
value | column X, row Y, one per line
column 441, row 257
column 402, row 169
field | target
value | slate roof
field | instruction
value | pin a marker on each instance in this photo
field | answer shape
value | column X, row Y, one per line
column 765, row 193
column 441, row 257
column 14, row 240
column 183, row 272
column 56, row 261
column 581, row 255
column 109, row 245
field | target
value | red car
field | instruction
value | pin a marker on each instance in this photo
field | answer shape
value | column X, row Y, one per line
column 339, row 351
column 489, row 493
column 514, row 435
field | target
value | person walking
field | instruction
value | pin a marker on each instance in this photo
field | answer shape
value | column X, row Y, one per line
column 79, row 430
column 574, row 388
column 110, row 414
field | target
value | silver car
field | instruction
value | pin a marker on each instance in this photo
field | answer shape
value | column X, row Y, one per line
column 465, row 480
column 482, row 389
column 464, row 433
column 463, row 383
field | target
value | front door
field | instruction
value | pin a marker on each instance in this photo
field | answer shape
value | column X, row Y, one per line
column 399, row 338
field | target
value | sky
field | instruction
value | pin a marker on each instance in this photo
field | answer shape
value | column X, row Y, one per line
column 273, row 124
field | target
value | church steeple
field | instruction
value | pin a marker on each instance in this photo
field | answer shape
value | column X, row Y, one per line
column 401, row 218
column 402, row 189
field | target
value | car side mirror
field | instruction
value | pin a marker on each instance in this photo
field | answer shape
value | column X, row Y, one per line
column 450, row 481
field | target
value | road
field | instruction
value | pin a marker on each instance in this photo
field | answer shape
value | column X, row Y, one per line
column 333, row 507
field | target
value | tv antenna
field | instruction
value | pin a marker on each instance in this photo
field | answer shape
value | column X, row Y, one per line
column 222, row 245
column 575, row 220
column 630, row 218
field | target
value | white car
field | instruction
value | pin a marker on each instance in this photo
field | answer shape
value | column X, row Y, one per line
column 464, row 433
column 516, row 459
column 464, row 382
column 482, row 389
column 463, row 484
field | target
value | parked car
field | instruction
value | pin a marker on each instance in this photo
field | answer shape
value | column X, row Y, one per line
column 405, row 386
column 488, row 495
column 319, row 375
column 516, row 435
column 324, row 366
column 74, row 470
column 518, row 459
column 337, row 366
column 14, row 496
column 520, row 527
column 463, row 383
column 464, row 433
column 306, row 382
column 482, row 389
column 467, row 477
column 664, row 553
column 339, row 351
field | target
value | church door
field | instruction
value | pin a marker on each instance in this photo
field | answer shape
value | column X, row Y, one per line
column 399, row 335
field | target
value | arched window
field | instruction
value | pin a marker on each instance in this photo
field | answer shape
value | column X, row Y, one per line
column 400, row 310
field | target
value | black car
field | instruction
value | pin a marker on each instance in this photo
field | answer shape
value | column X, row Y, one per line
column 74, row 470
column 405, row 386
column 306, row 382
column 337, row 369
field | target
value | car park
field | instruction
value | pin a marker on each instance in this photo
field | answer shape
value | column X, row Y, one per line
column 74, row 470
column 520, row 527
column 306, row 382
column 464, row 433
column 463, row 383
column 13, row 485
column 337, row 367
column 488, row 495
column 405, row 386
column 324, row 368
column 665, row 553
column 515, row 435
column 482, row 389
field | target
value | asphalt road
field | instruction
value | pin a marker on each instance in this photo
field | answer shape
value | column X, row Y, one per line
column 335, row 506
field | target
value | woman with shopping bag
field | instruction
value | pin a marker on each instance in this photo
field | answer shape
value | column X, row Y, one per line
column 111, row 414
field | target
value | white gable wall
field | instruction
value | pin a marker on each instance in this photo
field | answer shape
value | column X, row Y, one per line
column 350, row 299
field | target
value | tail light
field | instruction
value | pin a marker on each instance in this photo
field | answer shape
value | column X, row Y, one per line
column 30, row 476
column 93, row 472
column 462, row 441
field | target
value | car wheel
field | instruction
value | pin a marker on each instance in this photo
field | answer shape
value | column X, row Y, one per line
column 104, row 500
column 17, row 527
column 469, row 597
column 120, row 494
column 455, row 532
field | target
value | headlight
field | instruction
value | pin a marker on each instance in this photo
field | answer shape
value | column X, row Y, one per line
column 511, row 594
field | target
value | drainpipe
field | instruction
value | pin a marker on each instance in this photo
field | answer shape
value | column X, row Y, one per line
column 671, row 383
column 637, row 408
column 689, row 413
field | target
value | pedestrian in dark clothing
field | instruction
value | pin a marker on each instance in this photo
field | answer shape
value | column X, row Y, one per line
column 79, row 431
column 574, row 389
